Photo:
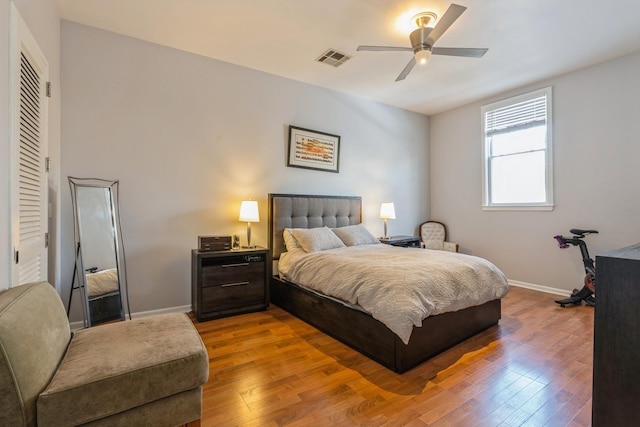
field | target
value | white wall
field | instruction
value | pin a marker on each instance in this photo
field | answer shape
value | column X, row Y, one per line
column 190, row 137
column 596, row 135
column 42, row 19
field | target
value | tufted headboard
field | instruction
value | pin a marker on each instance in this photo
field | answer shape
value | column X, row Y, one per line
column 309, row 211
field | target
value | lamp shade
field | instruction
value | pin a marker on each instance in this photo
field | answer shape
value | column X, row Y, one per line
column 249, row 211
column 387, row 211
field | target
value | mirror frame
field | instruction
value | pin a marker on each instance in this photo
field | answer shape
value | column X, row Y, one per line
column 79, row 272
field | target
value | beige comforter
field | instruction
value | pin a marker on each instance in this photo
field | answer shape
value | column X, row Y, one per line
column 398, row 286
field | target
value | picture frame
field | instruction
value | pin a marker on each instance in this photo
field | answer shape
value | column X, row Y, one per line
column 311, row 149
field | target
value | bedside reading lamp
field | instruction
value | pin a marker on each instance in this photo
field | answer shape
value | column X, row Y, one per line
column 387, row 211
column 249, row 213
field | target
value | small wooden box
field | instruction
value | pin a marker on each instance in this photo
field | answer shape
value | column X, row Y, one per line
column 214, row 243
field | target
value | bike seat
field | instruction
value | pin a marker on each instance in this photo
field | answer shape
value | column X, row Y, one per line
column 579, row 232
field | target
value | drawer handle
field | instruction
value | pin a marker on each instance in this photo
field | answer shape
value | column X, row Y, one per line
column 228, row 285
column 242, row 264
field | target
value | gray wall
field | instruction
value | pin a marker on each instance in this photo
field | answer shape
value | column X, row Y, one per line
column 596, row 150
column 42, row 19
column 190, row 137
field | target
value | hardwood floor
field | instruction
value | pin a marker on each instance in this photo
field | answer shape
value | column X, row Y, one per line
column 533, row 369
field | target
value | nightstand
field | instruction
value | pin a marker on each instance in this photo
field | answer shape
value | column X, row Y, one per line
column 224, row 283
column 403, row 241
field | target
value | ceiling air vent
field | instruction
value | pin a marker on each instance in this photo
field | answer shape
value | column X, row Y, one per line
column 333, row 57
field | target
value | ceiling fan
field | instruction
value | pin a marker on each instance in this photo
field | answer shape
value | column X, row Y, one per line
column 423, row 39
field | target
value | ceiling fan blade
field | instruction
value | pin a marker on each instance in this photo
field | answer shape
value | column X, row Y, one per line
column 407, row 69
column 385, row 48
column 469, row 52
column 449, row 17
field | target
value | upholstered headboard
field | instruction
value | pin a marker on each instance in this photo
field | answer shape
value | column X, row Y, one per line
column 309, row 211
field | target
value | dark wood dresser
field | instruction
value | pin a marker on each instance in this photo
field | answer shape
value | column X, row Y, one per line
column 616, row 355
column 229, row 282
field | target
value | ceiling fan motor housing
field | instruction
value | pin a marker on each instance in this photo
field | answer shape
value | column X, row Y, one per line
column 418, row 39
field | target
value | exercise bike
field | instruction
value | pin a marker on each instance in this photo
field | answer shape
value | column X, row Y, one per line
column 587, row 293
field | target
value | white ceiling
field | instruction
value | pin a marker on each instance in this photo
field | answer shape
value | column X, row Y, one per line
column 528, row 40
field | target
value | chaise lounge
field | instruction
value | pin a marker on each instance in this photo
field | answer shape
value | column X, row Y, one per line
column 147, row 371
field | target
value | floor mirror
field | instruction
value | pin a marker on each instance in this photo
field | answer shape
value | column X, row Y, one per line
column 99, row 271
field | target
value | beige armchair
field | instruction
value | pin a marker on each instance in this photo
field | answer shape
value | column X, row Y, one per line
column 433, row 235
column 148, row 371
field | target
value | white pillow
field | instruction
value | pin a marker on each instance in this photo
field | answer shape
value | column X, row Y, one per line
column 354, row 235
column 290, row 242
column 316, row 239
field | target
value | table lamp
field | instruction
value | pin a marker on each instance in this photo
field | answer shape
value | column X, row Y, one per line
column 249, row 213
column 387, row 211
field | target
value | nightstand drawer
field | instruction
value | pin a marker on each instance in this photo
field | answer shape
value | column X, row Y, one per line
column 232, row 272
column 223, row 262
column 232, row 295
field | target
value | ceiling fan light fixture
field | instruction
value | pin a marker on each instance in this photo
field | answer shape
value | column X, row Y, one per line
column 423, row 56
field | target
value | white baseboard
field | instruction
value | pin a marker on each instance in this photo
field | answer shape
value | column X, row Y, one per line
column 76, row 325
column 179, row 309
column 139, row 315
column 545, row 289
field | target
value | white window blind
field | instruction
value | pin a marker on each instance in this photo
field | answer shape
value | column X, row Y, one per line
column 518, row 116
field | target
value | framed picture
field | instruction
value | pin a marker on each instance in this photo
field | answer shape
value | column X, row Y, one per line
column 310, row 149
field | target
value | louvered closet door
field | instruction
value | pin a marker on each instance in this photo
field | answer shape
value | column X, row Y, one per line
column 29, row 147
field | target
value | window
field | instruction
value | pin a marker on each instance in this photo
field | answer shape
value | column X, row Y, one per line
column 517, row 152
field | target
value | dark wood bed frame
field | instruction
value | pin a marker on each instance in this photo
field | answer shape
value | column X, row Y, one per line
column 363, row 333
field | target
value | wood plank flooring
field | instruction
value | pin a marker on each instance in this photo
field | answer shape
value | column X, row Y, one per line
column 533, row 369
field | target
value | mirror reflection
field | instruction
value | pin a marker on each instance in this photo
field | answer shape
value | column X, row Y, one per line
column 100, row 258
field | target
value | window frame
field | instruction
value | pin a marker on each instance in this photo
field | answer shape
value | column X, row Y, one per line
column 546, row 205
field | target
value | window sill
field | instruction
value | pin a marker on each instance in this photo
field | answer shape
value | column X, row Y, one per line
column 518, row 208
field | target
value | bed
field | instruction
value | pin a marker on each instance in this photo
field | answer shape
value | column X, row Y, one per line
column 103, row 291
column 365, row 333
